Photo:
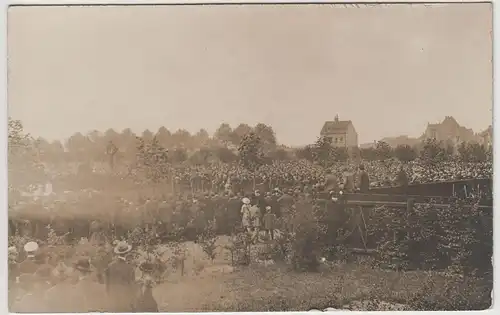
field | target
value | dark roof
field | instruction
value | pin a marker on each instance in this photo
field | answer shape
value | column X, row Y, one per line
column 332, row 126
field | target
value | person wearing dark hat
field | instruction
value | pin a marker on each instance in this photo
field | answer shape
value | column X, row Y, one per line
column 364, row 180
column 91, row 292
column 146, row 302
column 119, row 281
column 402, row 179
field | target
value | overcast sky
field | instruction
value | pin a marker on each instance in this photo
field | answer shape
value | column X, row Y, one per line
column 390, row 69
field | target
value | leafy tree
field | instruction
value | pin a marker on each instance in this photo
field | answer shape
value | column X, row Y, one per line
column 128, row 142
column 239, row 132
column 164, row 137
column 202, row 137
column 383, row 151
column 306, row 153
column 201, row 156
column 340, row 154
column 432, row 151
column 267, row 136
column 250, row 151
column 281, row 154
column 18, row 139
column 78, row 146
column 111, row 135
column 225, row 155
column 147, row 136
column 179, row 155
column 153, row 160
column 405, row 153
column 322, row 153
column 224, row 133
column 21, row 166
column 182, row 137
column 472, row 152
column 368, row 154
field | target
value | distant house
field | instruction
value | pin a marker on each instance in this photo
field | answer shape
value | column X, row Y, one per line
column 486, row 136
column 449, row 130
column 341, row 132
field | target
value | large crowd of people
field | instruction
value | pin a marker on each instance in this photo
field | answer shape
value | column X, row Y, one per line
column 234, row 198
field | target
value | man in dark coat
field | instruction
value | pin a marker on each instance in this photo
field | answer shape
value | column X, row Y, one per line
column 331, row 181
column 402, row 179
column 364, row 180
column 120, row 281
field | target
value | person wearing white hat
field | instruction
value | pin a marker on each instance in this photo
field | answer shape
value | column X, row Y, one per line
column 119, row 280
column 29, row 266
column 245, row 215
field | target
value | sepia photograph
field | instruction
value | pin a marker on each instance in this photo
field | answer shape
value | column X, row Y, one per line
column 250, row 157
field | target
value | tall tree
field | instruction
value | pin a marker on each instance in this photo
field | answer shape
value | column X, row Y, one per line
column 405, row 153
column 147, row 136
column 383, row 150
column 250, row 152
column 164, row 137
column 182, row 137
column 322, row 153
column 267, row 136
column 239, row 133
column 224, row 133
column 18, row 140
column 432, row 151
column 202, row 137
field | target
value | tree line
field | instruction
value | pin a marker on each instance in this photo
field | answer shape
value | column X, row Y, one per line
column 250, row 146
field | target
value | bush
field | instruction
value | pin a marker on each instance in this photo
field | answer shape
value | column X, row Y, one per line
column 207, row 240
column 306, row 238
column 434, row 238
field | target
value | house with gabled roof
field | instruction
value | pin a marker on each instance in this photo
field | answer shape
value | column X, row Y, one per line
column 341, row 132
column 486, row 136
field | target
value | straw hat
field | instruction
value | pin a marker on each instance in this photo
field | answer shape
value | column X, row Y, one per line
column 31, row 247
column 122, row 248
column 246, row 201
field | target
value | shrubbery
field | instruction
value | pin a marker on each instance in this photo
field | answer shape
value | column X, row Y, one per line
column 434, row 238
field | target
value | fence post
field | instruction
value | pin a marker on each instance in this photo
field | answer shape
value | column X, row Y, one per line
column 410, row 204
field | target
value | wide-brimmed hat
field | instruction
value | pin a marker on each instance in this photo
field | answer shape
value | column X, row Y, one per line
column 122, row 248
column 83, row 264
column 268, row 208
column 31, row 247
column 245, row 200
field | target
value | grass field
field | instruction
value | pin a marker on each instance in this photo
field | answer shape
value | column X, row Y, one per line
column 217, row 286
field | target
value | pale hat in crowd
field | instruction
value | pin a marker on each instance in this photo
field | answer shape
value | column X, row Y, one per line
column 268, row 208
column 31, row 247
column 122, row 248
column 246, row 201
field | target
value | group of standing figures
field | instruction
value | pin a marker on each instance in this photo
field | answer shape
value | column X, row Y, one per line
column 37, row 286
